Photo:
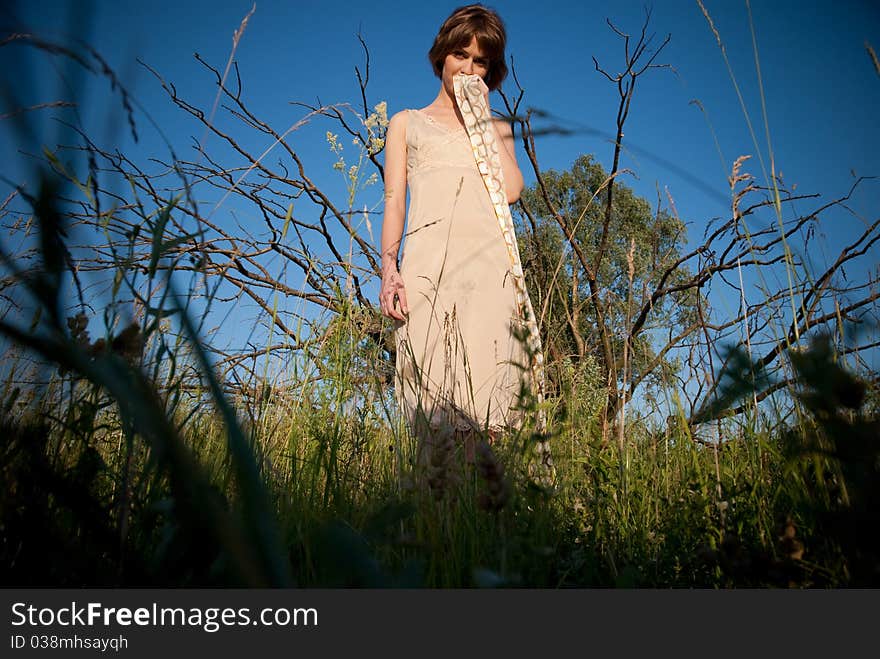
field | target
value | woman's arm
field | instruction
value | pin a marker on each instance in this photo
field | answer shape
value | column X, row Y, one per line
column 513, row 178
column 394, row 217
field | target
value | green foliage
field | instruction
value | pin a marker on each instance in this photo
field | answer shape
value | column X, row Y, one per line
column 769, row 507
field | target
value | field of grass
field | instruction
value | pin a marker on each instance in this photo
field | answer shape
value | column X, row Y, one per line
column 117, row 476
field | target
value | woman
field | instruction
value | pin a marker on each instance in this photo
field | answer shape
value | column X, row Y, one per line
column 457, row 299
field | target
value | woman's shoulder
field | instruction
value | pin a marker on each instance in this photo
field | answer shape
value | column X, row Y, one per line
column 399, row 122
column 401, row 118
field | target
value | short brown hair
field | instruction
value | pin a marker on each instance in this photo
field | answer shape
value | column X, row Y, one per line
column 464, row 24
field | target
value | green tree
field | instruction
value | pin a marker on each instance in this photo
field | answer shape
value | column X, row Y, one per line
column 589, row 291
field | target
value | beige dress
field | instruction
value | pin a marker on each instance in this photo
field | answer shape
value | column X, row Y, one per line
column 459, row 360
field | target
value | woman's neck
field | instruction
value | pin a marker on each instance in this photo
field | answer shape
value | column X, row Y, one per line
column 445, row 103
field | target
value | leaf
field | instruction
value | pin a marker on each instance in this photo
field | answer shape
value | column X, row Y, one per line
column 158, row 233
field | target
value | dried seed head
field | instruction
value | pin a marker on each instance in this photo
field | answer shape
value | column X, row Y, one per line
column 440, row 446
column 492, row 472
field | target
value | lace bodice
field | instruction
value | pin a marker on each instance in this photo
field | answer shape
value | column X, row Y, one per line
column 431, row 145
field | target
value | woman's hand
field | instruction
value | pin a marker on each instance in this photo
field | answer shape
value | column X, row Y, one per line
column 485, row 89
column 392, row 288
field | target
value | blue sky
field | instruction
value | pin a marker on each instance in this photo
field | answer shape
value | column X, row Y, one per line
column 822, row 92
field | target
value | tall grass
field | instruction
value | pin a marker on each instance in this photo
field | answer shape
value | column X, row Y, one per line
column 129, row 492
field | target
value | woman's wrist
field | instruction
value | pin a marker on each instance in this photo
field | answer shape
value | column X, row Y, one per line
column 389, row 263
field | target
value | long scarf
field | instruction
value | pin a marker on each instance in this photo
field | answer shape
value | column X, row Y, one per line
column 481, row 133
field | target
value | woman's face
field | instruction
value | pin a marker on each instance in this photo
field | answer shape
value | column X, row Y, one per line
column 470, row 60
